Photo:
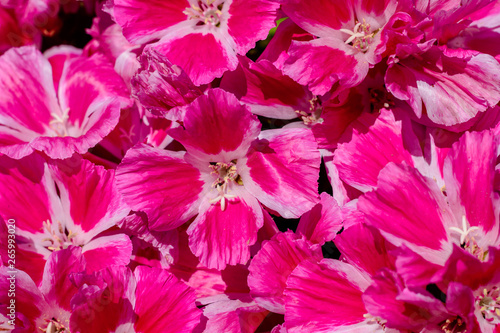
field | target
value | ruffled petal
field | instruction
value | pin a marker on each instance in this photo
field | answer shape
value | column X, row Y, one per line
column 281, row 173
column 324, row 297
column 223, row 236
column 469, row 173
column 272, row 265
column 29, row 98
column 324, row 63
column 217, row 128
column 162, row 301
column 409, row 209
column 160, row 86
column 102, row 251
column 56, row 285
column 374, row 143
column 212, row 58
column 365, row 248
column 173, row 189
column 91, row 195
column 322, row 222
column 453, row 85
column 144, row 20
column 266, row 90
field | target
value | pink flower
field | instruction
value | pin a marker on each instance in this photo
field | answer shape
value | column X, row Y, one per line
column 349, row 41
column 202, row 37
column 45, row 306
column 227, row 170
column 61, row 204
column 410, row 209
column 271, row 266
column 148, row 300
column 75, row 117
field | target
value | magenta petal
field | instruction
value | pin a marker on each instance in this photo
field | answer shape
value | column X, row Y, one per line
column 104, row 301
column 321, row 18
column 272, row 265
column 28, row 299
column 163, row 302
column 236, row 314
column 90, row 192
column 322, row 222
column 173, row 189
column 266, row 90
column 102, row 251
column 365, row 248
column 403, row 309
column 324, row 297
column 454, row 85
column 219, row 237
column 409, row 209
column 469, row 173
column 25, row 193
column 214, row 58
column 414, row 269
column 160, row 86
column 145, row 20
column 322, row 63
column 56, row 285
column 103, row 115
column 215, row 124
column 250, row 21
column 281, row 171
column 85, row 80
column 374, row 143
column 28, row 99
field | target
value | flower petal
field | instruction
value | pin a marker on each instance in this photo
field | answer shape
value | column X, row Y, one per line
column 162, row 301
column 217, row 127
column 272, row 265
column 281, row 173
column 220, row 237
column 173, row 189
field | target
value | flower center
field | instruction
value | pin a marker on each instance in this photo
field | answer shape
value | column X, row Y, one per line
column 60, row 238
column 227, row 175
column 489, row 304
column 314, row 115
column 453, row 325
column 360, row 37
column 207, row 12
column 375, row 320
column 54, row 326
column 467, row 240
column 59, row 123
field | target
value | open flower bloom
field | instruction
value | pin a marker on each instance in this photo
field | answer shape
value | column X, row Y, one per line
column 60, row 204
column 472, row 289
column 348, row 45
column 411, row 209
column 115, row 299
column 201, row 36
column 227, row 170
column 59, row 109
column 45, row 307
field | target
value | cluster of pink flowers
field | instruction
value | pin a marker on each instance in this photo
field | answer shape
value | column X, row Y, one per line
column 170, row 176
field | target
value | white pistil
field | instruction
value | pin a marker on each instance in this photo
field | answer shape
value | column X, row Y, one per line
column 222, row 196
column 465, row 231
column 354, row 33
column 59, row 122
column 361, row 37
